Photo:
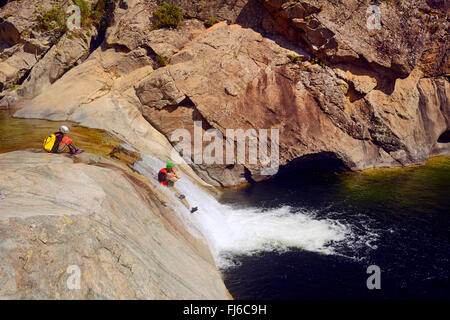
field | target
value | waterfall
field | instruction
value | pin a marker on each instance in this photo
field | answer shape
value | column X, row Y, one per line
column 233, row 231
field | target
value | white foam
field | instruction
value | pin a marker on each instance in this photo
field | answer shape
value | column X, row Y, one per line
column 230, row 231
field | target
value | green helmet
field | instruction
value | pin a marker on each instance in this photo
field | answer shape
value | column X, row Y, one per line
column 170, row 165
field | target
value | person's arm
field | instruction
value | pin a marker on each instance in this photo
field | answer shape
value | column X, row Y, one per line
column 177, row 175
column 172, row 177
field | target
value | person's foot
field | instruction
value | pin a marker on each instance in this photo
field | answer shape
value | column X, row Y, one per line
column 181, row 197
column 194, row 209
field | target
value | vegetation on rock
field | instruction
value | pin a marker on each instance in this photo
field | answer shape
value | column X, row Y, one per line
column 162, row 61
column 92, row 16
column 312, row 60
column 295, row 58
column 53, row 20
column 167, row 16
column 210, row 22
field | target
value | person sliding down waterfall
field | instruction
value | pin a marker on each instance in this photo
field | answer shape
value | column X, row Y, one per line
column 168, row 176
column 59, row 141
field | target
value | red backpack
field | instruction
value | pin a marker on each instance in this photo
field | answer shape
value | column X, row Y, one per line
column 162, row 176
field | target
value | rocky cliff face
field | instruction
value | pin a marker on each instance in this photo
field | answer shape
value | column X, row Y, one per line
column 339, row 92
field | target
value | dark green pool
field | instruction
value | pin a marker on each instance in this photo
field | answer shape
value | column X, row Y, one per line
column 399, row 220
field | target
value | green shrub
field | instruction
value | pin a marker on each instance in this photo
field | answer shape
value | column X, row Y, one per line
column 167, row 16
column 210, row 22
column 312, row 60
column 84, row 8
column 294, row 58
column 53, row 20
column 316, row 60
column 162, row 61
column 92, row 16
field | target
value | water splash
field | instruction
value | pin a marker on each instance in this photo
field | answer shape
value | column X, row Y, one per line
column 231, row 231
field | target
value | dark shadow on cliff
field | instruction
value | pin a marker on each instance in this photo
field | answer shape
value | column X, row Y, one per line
column 322, row 161
column 445, row 137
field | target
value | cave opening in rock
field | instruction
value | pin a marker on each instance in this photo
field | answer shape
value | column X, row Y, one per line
column 322, row 161
column 445, row 137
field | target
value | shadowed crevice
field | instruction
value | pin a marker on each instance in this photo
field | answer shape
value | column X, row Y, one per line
column 322, row 161
column 444, row 137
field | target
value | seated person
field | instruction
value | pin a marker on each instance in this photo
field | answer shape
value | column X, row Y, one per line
column 62, row 142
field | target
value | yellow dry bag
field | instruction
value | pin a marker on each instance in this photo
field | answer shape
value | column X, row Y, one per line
column 51, row 143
